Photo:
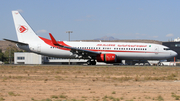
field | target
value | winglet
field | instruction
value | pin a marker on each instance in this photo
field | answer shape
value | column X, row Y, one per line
column 54, row 40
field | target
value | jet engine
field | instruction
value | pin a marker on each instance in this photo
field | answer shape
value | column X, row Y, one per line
column 109, row 58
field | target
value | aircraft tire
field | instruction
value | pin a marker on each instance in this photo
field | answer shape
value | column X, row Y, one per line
column 89, row 62
column 93, row 62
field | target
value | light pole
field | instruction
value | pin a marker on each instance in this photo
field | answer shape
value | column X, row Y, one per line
column 69, row 40
column 69, row 33
column 9, row 54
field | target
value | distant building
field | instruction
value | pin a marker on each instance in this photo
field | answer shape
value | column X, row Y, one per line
column 28, row 58
column 32, row 58
column 177, row 40
column 174, row 46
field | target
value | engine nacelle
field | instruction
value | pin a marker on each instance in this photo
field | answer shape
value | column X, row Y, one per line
column 109, row 58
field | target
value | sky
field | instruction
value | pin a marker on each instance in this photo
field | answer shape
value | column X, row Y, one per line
column 91, row 19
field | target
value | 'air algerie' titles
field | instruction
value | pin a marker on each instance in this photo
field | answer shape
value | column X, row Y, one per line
column 105, row 44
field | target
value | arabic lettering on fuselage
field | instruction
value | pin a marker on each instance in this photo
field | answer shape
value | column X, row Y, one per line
column 132, row 45
column 122, row 45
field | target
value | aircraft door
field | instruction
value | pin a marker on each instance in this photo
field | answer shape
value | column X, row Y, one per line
column 156, row 50
column 39, row 48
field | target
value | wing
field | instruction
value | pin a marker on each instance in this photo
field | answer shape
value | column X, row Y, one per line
column 80, row 52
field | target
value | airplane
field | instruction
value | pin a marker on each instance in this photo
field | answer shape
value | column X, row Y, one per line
column 107, row 52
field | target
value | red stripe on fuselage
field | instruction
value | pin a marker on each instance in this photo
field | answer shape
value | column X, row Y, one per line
column 49, row 42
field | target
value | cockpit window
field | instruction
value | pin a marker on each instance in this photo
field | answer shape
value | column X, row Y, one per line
column 166, row 49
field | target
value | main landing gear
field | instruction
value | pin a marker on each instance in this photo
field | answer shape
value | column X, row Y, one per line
column 91, row 62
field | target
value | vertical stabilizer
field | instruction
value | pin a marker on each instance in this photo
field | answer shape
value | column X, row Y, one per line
column 23, row 30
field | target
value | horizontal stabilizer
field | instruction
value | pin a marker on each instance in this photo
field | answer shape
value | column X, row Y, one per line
column 16, row 42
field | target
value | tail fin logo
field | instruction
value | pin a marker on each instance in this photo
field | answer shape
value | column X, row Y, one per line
column 22, row 29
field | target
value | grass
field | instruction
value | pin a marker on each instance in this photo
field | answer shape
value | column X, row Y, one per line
column 2, row 99
column 54, row 96
column 113, row 92
column 107, row 98
column 175, row 96
column 46, row 99
column 13, row 94
column 147, row 97
column 160, row 98
column 62, row 96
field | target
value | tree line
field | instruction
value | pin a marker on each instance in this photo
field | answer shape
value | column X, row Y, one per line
column 8, row 55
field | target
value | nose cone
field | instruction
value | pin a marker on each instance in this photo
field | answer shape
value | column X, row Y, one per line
column 173, row 54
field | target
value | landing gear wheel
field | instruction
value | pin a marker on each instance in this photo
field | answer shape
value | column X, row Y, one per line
column 159, row 64
column 89, row 62
column 93, row 62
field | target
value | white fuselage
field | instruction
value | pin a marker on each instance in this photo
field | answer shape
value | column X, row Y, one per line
column 123, row 50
